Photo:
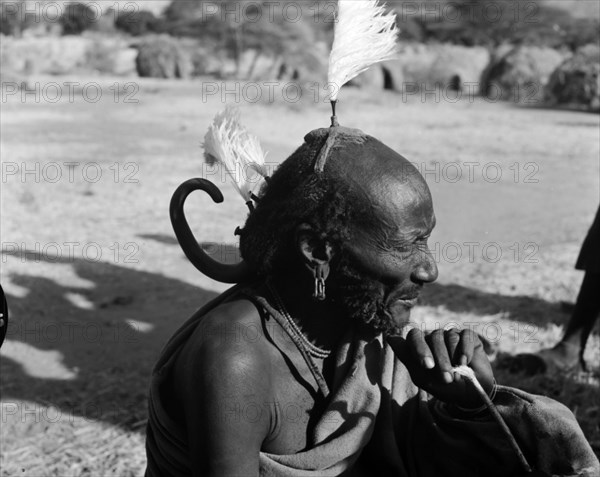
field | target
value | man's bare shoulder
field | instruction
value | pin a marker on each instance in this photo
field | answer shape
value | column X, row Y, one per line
column 216, row 374
column 228, row 344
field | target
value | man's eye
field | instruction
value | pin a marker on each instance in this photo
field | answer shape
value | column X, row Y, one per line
column 405, row 248
column 421, row 244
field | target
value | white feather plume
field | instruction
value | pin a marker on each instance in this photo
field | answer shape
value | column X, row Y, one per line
column 228, row 143
column 364, row 35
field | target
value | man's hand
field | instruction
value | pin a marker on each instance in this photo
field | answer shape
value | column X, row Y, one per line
column 430, row 359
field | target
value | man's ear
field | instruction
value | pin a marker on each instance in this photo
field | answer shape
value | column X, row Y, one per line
column 314, row 249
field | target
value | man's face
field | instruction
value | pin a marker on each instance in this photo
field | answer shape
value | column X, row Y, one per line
column 382, row 270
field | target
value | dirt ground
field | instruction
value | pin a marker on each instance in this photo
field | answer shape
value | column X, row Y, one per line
column 96, row 282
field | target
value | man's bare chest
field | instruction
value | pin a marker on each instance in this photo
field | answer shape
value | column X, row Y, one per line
column 296, row 408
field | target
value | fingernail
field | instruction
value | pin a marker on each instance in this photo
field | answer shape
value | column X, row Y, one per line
column 447, row 377
column 463, row 360
column 428, row 362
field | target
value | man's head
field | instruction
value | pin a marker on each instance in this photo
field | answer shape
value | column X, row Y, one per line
column 367, row 217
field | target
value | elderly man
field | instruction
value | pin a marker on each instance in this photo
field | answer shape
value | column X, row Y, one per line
column 304, row 369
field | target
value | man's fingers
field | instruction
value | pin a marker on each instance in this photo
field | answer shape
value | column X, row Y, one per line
column 419, row 348
column 437, row 343
column 452, row 338
column 429, row 360
column 466, row 346
column 413, row 350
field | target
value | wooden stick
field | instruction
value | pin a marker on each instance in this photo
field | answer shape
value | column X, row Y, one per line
column 469, row 374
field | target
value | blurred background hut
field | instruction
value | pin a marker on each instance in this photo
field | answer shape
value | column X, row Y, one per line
column 496, row 48
column 521, row 74
column 576, row 81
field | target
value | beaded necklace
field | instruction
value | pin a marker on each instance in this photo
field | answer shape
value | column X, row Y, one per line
column 310, row 348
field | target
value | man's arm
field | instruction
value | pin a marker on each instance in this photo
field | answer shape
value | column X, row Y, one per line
column 223, row 381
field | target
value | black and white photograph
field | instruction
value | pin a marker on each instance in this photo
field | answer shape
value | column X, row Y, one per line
column 300, row 238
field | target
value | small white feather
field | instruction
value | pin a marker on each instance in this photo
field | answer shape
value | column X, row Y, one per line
column 364, row 35
column 228, row 143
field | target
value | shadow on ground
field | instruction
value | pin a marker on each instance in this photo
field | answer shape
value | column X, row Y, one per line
column 160, row 238
column 110, row 333
column 523, row 308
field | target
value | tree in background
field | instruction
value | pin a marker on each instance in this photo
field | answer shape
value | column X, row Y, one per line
column 188, row 19
column 137, row 23
column 10, row 19
column 292, row 41
column 236, row 27
column 77, row 18
column 15, row 17
column 583, row 31
column 492, row 22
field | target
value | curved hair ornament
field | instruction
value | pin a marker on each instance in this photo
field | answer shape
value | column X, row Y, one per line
column 207, row 265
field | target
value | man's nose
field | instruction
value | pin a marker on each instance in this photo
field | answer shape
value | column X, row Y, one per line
column 426, row 270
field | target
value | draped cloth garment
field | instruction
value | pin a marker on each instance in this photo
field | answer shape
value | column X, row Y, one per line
column 378, row 423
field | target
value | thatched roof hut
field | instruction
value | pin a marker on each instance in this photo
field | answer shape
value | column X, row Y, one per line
column 162, row 57
column 424, row 67
column 577, row 80
column 373, row 79
column 459, row 67
column 522, row 73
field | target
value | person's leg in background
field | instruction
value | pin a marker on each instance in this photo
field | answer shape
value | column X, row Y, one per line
column 568, row 353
